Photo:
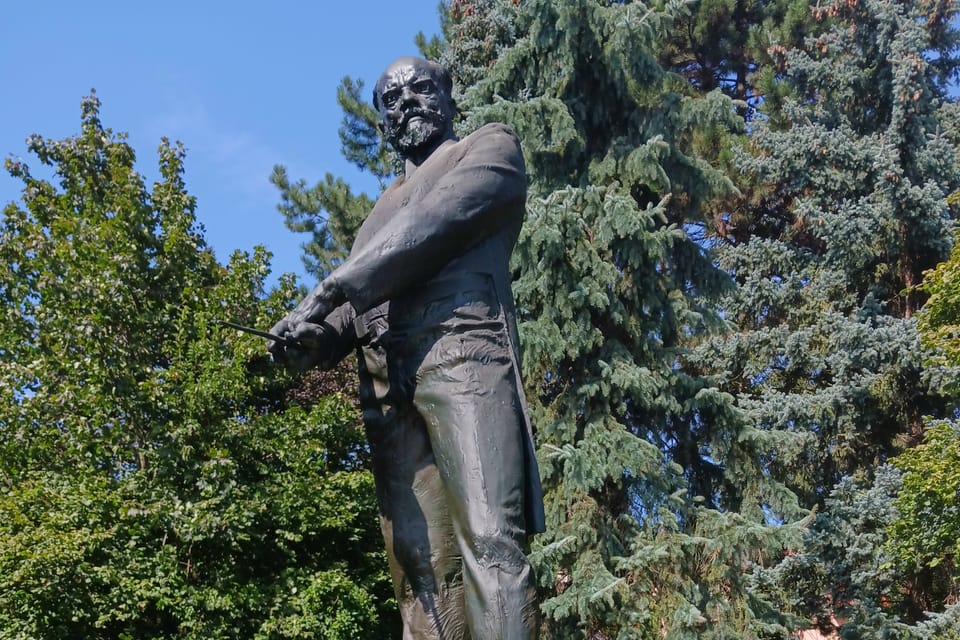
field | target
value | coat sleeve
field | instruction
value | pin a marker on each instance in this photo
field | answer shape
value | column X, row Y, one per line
column 339, row 336
column 477, row 197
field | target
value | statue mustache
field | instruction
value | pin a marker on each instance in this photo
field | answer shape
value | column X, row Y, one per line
column 432, row 116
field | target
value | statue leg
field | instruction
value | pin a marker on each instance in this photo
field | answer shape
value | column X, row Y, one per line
column 421, row 547
column 468, row 397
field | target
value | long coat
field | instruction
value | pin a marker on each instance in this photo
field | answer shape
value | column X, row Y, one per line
column 449, row 227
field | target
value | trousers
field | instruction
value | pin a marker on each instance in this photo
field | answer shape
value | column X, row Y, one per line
column 441, row 406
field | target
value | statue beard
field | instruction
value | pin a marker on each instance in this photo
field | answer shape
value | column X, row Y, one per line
column 410, row 135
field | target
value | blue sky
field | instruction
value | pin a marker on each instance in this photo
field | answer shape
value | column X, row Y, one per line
column 244, row 85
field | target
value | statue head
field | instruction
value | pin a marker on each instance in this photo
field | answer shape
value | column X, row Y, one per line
column 416, row 109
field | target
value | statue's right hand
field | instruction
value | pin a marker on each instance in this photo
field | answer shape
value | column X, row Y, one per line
column 283, row 329
column 313, row 344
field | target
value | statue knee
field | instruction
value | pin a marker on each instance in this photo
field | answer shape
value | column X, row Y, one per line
column 499, row 551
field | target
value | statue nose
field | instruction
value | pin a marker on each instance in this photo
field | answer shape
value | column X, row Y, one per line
column 408, row 96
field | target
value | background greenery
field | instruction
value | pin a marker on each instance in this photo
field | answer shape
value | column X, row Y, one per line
column 739, row 302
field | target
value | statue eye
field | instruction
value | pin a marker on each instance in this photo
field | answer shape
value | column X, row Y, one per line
column 423, row 86
column 389, row 98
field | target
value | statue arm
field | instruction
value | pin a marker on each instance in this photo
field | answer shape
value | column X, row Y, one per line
column 478, row 197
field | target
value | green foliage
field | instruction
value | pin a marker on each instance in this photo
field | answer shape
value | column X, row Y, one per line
column 851, row 209
column 939, row 321
column 738, row 47
column 926, row 534
column 479, row 31
column 923, row 538
column 735, row 45
column 155, row 479
column 850, row 170
column 641, row 455
column 842, row 572
column 846, row 577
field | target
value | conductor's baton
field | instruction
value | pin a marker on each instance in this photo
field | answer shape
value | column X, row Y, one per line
column 263, row 334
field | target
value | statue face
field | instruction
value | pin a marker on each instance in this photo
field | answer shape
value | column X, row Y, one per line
column 415, row 108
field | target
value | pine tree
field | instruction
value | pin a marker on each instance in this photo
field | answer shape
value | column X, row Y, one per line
column 848, row 579
column 854, row 211
column 731, row 45
column 851, row 177
column 651, row 473
column 923, row 537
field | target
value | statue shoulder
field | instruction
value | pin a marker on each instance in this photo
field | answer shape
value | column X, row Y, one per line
column 496, row 140
column 495, row 129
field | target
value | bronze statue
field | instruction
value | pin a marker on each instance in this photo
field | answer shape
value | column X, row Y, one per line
column 425, row 294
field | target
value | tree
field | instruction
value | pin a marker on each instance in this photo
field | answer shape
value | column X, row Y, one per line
column 851, row 170
column 923, row 536
column 738, row 47
column 651, row 475
column 939, row 322
column 853, row 211
column 732, row 45
column 847, row 579
column 158, row 478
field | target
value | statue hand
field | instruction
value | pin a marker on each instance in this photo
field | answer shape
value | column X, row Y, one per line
column 313, row 343
column 304, row 325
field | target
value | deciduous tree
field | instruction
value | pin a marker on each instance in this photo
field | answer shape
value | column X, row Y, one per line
column 158, row 479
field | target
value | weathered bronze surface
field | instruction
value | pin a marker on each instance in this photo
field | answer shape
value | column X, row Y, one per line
column 425, row 295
